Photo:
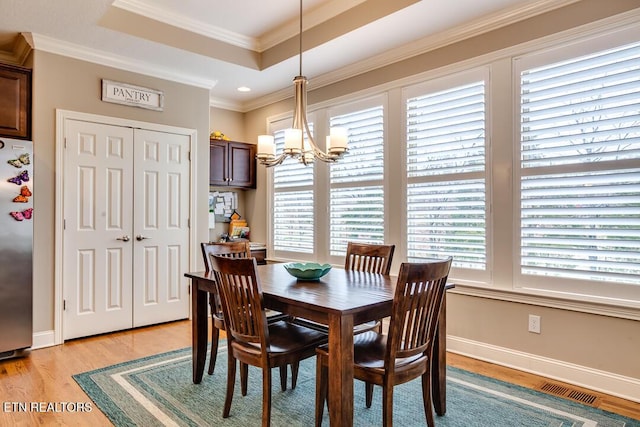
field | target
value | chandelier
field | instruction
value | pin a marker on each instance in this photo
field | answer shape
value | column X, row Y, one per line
column 295, row 144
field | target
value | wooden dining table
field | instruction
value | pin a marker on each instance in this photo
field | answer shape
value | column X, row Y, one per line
column 340, row 300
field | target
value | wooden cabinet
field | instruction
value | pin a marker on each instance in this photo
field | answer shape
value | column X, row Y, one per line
column 260, row 255
column 15, row 102
column 232, row 164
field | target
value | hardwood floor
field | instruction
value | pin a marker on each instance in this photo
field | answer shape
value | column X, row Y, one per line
column 44, row 376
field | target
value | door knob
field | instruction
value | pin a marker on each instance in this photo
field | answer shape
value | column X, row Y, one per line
column 140, row 237
column 124, row 238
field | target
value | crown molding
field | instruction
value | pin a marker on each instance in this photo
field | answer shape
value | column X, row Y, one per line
column 59, row 47
column 20, row 50
column 291, row 28
column 147, row 10
column 474, row 28
column 226, row 104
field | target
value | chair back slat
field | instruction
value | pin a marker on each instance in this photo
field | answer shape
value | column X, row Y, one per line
column 242, row 301
column 417, row 302
column 370, row 258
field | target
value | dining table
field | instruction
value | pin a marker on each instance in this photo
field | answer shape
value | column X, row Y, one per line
column 340, row 300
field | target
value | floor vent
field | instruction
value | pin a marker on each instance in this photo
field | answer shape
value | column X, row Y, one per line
column 579, row 396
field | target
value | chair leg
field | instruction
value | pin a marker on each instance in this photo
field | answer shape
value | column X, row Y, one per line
column 266, row 397
column 283, row 377
column 387, row 405
column 294, row 374
column 368, row 394
column 321, row 388
column 426, row 399
column 244, row 375
column 215, row 336
column 231, row 381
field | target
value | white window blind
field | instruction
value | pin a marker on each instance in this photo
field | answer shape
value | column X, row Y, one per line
column 293, row 203
column 356, row 182
column 446, row 194
column 580, row 170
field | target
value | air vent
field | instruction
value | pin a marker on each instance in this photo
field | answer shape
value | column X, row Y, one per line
column 569, row 393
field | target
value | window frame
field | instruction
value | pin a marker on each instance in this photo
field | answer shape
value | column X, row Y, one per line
column 573, row 289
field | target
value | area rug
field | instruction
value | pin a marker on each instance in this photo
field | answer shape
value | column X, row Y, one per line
column 158, row 391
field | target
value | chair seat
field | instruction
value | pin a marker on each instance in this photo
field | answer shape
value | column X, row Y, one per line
column 369, row 351
column 286, row 337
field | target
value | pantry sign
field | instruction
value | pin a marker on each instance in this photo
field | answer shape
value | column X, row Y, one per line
column 135, row 96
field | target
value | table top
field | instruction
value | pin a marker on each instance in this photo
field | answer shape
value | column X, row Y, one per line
column 339, row 291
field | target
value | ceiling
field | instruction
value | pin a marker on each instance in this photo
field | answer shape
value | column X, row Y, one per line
column 223, row 45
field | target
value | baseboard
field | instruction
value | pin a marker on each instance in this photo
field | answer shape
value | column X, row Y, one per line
column 43, row 339
column 593, row 379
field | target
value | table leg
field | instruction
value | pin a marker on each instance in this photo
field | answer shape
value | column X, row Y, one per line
column 340, row 370
column 199, row 330
column 439, row 363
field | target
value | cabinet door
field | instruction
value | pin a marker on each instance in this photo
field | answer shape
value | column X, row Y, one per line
column 15, row 102
column 242, row 165
column 218, row 162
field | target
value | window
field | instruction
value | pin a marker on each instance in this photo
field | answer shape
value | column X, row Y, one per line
column 356, row 181
column 445, row 157
column 525, row 169
column 580, row 170
column 293, row 201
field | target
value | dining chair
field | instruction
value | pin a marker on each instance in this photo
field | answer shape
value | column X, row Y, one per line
column 241, row 249
column 370, row 258
column 251, row 339
column 405, row 352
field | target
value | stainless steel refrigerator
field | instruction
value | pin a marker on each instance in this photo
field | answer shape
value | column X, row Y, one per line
column 16, row 246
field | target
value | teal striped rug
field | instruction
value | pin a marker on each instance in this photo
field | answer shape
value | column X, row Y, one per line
column 158, row 391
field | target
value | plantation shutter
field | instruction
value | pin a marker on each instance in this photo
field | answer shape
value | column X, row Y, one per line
column 580, row 175
column 356, row 182
column 446, row 195
column 293, row 217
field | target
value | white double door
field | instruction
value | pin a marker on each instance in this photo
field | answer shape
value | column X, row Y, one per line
column 126, row 232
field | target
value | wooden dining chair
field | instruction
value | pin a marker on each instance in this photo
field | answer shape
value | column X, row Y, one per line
column 370, row 258
column 405, row 352
column 231, row 250
column 241, row 249
column 252, row 340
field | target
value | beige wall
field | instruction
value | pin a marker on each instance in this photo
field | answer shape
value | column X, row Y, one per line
column 569, row 338
column 69, row 84
column 231, row 123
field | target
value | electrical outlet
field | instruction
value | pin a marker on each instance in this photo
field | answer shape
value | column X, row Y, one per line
column 534, row 323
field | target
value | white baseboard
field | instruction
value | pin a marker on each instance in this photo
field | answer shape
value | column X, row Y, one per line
column 43, row 339
column 593, row 379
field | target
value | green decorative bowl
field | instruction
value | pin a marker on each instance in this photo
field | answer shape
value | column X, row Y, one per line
column 307, row 270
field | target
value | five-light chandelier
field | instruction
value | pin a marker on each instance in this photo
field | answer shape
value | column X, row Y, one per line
column 295, row 144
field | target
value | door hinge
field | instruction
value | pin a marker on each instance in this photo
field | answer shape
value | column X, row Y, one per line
column 64, row 224
column 64, row 305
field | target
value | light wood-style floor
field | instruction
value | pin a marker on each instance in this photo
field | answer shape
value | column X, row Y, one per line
column 45, row 375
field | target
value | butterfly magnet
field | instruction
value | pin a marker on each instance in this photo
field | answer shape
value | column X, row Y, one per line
column 21, row 216
column 19, row 179
column 21, row 161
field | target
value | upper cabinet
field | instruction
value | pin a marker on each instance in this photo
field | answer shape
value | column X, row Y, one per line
column 232, row 164
column 15, row 102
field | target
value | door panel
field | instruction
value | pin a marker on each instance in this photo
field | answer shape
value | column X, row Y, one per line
column 98, row 211
column 161, row 185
